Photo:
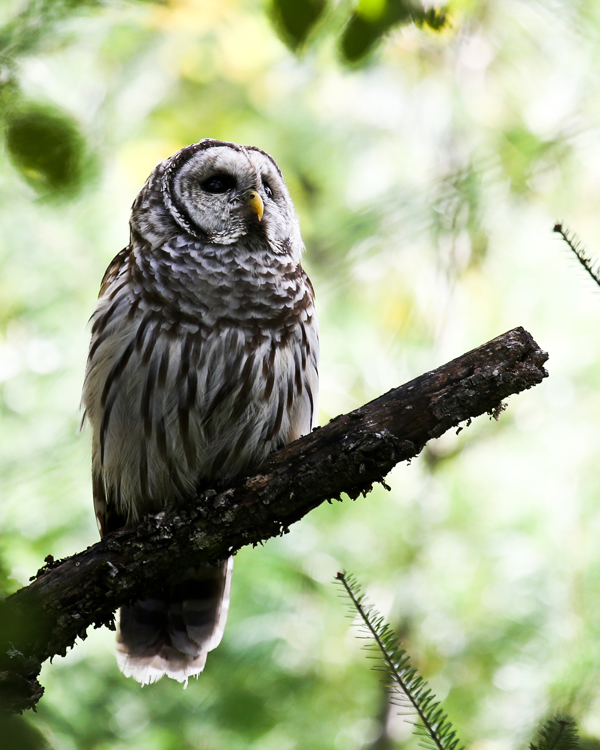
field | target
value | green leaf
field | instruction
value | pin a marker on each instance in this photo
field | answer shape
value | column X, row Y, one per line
column 360, row 36
column 47, row 148
column 371, row 9
column 435, row 18
column 523, row 152
column 296, row 18
column 371, row 22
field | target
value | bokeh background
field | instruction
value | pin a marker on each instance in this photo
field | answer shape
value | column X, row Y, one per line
column 429, row 154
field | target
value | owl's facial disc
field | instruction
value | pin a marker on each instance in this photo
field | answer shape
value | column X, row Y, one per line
column 221, row 192
column 218, row 194
column 281, row 222
column 218, row 183
column 225, row 183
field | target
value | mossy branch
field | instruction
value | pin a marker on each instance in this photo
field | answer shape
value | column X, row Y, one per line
column 348, row 455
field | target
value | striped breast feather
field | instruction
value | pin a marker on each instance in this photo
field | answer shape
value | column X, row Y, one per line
column 171, row 405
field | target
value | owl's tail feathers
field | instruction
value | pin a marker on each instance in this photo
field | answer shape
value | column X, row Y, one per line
column 172, row 630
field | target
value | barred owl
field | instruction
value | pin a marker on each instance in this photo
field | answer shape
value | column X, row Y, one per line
column 203, row 361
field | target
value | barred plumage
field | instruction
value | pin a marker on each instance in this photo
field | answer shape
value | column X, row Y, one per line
column 203, row 361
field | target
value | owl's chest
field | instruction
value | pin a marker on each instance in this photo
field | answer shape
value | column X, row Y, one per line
column 191, row 393
column 217, row 283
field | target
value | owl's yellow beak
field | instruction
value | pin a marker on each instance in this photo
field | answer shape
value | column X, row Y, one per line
column 256, row 204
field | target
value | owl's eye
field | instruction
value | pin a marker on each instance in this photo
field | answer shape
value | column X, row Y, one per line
column 218, row 183
column 267, row 188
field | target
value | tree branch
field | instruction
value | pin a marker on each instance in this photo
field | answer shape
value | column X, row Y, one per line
column 348, row 455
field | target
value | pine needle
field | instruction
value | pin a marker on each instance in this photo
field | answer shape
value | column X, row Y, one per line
column 558, row 733
column 410, row 691
column 576, row 246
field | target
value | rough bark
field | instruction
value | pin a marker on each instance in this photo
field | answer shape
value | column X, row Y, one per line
column 348, row 455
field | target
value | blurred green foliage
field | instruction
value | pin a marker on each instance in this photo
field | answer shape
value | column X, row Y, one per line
column 412, row 694
column 427, row 177
column 296, row 18
column 31, row 24
column 47, row 148
column 373, row 19
column 19, row 734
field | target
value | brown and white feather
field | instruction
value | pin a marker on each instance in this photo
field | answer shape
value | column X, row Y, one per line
column 203, row 361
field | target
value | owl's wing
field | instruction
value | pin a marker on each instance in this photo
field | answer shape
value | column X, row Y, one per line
column 106, row 510
column 107, row 516
column 114, row 269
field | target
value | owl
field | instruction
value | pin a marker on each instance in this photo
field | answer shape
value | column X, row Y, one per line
column 203, row 361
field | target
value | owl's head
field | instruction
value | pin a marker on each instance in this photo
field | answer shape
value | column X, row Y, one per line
column 220, row 192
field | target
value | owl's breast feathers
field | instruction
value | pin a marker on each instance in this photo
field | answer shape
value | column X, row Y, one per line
column 202, row 362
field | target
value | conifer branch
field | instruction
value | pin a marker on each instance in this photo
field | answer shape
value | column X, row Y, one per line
column 578, row 249
column 411, row 691
column 558, row 733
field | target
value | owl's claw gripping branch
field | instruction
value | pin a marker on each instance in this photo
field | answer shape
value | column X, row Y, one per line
column 348, row 455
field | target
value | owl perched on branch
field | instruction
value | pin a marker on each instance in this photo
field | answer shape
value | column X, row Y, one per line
column 203, row 361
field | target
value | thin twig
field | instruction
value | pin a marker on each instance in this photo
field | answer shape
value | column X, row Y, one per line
column 578, row 249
